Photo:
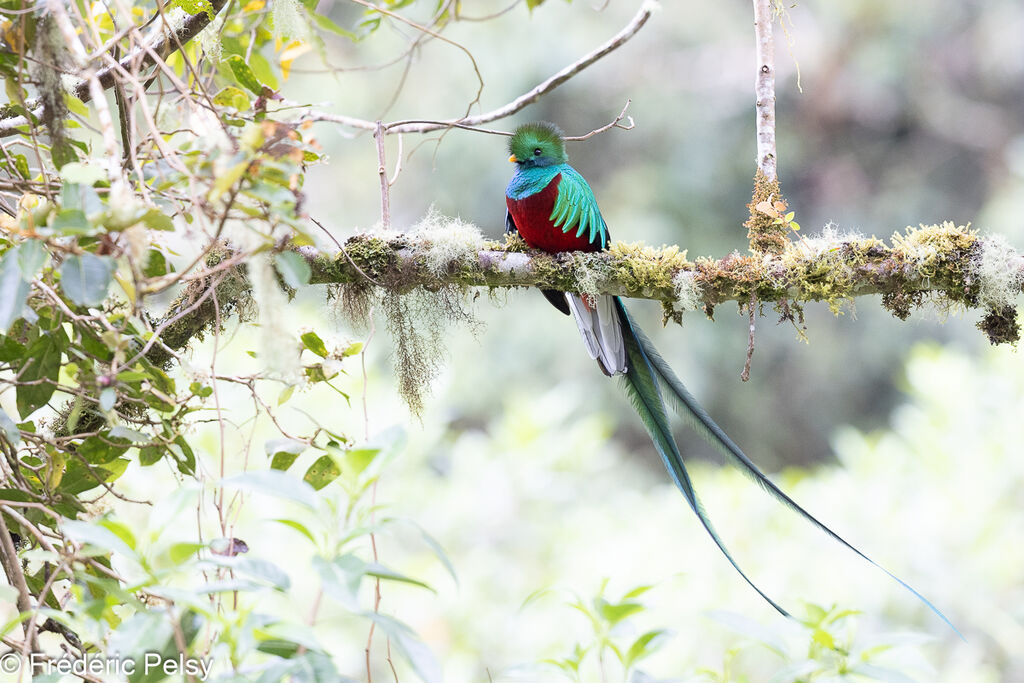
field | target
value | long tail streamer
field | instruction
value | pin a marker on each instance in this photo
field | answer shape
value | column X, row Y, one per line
column 647, row 373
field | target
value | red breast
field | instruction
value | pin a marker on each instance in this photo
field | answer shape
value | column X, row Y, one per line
column 532, row 217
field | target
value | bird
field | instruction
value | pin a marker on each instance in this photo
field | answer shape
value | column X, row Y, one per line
column 552, row 207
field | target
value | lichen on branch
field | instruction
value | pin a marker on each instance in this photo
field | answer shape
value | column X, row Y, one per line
column 946, row 264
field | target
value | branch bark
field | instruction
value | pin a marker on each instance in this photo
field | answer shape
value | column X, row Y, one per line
column 145, row 55
column 521, row 102
column 940, row 260
column 16, row 578
column 764, row 88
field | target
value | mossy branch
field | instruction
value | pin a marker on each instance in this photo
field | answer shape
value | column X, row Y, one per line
column 948, row 264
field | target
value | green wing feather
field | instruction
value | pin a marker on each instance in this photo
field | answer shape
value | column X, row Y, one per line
column 576, row 207
column 686, row 406
column 644, row 391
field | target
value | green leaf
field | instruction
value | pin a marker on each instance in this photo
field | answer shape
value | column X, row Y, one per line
column 32, row 255
column 82, row 174
column 381, row 572
column 186, row 459
column 298, row 526
column 10, row 349
column 179, row 552
column 39, row 375
column 195, row 6
column 108, row 397
column 99, row 451
column 438, row 551
column 326, row 24
column 21, row 166
column 85, row 278
column 823, row 637
column 637, row 592
column 277, row 484
column 76, row 106
column 244, row 75
column 71, row 222
column 154, row 219
column 341, row 578
column 119, row 530
column 97, row 536
column 150, row 455
column 227, row 180
column 419, row 656
column 232, row 97
column 358, row 459
column 282, row 461
column 10, row 429
column 614, row 613
column 63, row 153
column 263, row 570
column 293, row 268
column 643, row 646
column 133, row 435
column 13, row 290
column 322, row 472
column 80, row 477
column 313, row 342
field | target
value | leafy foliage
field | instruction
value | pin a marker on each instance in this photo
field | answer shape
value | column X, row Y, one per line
column 137, row 225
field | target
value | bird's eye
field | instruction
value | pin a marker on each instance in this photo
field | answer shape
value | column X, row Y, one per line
column 537, row 152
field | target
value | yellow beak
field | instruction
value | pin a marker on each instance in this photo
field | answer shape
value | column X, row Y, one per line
column 513, row 159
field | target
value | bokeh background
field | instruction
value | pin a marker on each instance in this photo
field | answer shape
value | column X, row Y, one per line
column 531, row 469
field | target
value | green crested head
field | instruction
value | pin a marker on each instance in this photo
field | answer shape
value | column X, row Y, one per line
column 537, row 144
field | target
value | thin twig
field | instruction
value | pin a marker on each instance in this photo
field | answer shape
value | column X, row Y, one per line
column 613, row 124
column 382, row 171
column 398, row 163
column 166, row 44
column 429, row 32
column 521, row 102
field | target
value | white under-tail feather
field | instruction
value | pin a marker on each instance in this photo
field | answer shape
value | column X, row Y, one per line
column 601, row 329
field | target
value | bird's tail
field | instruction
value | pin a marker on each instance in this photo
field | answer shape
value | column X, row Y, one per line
column 600, row 325
column 647, row 374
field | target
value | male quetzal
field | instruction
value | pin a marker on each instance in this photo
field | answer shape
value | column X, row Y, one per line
column 553, row 208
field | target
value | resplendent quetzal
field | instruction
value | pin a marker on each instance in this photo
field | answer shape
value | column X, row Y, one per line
column 553, row 208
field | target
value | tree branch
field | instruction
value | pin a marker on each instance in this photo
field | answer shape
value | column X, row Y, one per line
column 936, row 259
column 764, row 88
column 521, row 102
column 145, row 55
column 947, row 264
column 16, row 578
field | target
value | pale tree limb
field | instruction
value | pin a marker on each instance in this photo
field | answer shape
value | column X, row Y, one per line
column 16, row 579
column 947, row 266
column 941, row 260
column 764, row 87
column 519, row 103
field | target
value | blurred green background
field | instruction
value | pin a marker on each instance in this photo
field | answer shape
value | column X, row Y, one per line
column 910, row 113
column 531, row 469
